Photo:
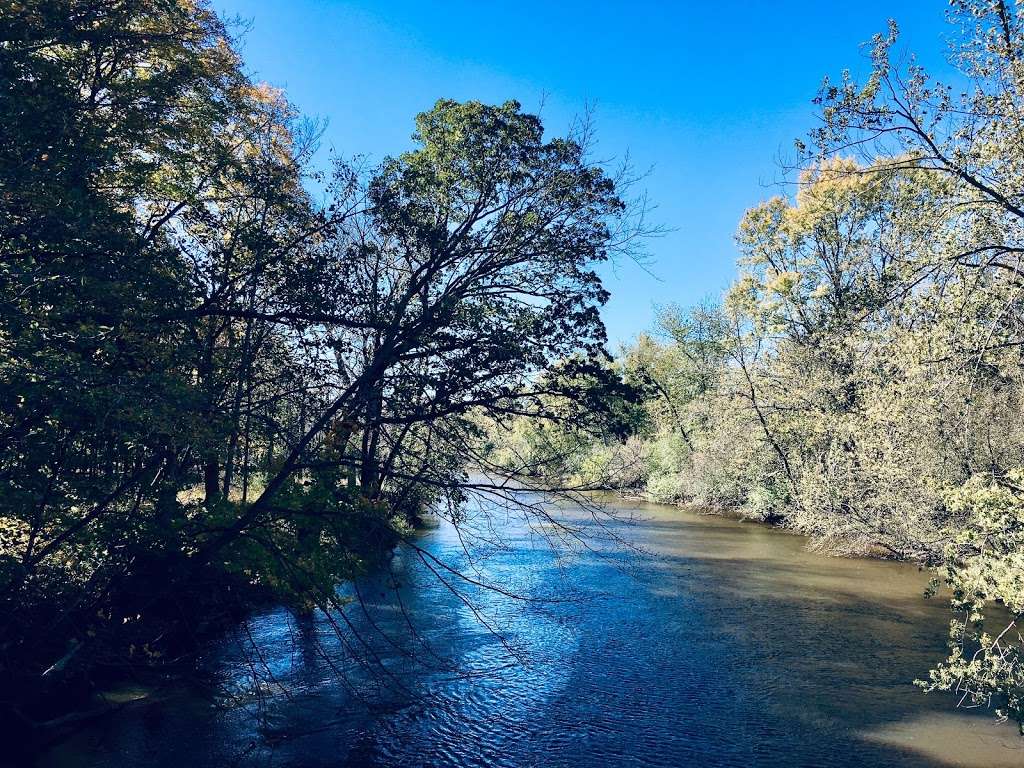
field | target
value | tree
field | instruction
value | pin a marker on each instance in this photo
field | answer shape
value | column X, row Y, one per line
column 111, row 112
column 464, row 288
column 972, row 145
column 216, row 391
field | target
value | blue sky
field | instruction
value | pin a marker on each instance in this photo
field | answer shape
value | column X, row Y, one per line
column 707, row 95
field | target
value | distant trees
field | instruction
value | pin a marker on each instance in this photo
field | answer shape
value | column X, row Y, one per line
column 211, row 384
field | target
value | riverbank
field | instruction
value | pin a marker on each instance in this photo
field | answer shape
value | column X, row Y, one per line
column 775, row 521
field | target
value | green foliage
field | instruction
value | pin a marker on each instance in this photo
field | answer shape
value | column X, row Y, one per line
column 210, row 386
column 863, row 381
column 985, row 571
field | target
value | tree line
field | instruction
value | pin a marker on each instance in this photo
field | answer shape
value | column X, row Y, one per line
column 229, row 372
column 862, row 380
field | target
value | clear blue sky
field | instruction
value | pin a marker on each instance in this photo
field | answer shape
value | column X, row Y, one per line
column 708, row 95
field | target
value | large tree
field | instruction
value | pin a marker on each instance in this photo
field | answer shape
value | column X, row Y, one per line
column 212, row 385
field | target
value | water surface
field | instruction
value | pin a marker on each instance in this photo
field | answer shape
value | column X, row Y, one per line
column 726, row 644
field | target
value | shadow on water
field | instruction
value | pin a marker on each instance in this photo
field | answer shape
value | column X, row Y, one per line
column 730, row 645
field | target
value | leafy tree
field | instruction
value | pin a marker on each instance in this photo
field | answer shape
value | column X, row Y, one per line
column 464, row 289
column 215, row 390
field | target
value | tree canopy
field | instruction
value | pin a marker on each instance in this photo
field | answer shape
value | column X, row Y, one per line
column 214, row 384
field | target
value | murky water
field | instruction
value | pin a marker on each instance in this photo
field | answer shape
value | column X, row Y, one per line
column 728, row 644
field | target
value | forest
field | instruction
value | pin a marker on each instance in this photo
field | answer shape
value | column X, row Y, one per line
column 232, row 376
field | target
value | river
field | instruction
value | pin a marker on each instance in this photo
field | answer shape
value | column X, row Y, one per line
column 675, row 640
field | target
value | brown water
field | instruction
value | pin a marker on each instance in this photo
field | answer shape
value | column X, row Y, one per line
column 729, row 644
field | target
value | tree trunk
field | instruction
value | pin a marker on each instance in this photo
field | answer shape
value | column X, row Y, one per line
column 211, row 478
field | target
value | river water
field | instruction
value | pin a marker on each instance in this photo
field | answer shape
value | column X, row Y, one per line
column 673, row 640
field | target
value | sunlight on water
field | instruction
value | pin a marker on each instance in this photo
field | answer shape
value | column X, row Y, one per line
column 728, row 644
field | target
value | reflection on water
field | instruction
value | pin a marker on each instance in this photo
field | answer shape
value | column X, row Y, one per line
column 729, row 645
